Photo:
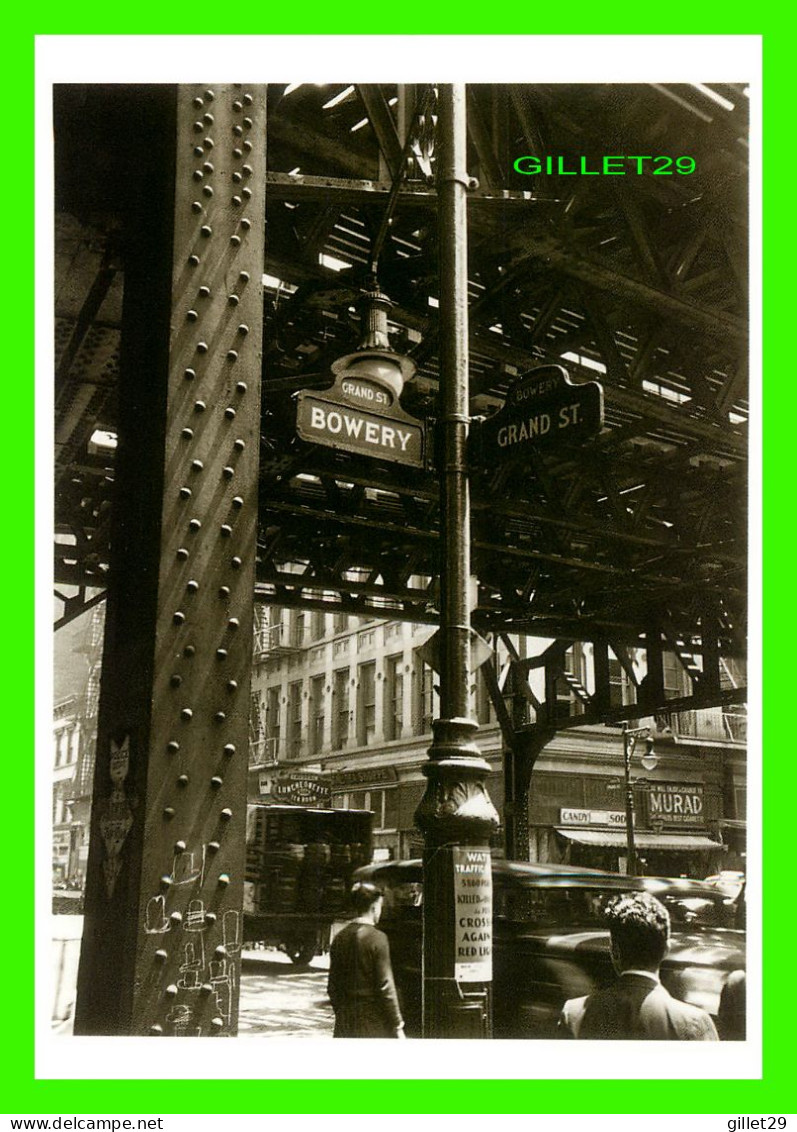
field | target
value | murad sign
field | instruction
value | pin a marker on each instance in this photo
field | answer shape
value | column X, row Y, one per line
column 675, row 803
column 543, row 407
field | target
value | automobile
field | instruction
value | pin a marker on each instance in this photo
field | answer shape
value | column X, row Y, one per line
column 549, row 942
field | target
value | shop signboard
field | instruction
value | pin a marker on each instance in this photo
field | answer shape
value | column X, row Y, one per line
column 361, row 416
column 544, row 407
column 301, row 788
column 473, row 911
column 570, row 816
column 674, row 803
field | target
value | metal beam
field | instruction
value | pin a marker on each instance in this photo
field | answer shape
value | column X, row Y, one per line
column 163, row 922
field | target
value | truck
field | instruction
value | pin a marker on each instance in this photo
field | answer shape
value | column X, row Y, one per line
column 299, row 865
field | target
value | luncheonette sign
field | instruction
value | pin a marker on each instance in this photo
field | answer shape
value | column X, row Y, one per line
column 542, row 408
column 357, row 415
column 473, row 911
column 302, row 789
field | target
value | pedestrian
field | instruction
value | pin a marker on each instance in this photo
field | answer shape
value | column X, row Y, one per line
column 636, row 1006
column 731, row 1016
column 361, row 987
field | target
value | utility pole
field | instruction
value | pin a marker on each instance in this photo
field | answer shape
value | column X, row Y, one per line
column 455, row 815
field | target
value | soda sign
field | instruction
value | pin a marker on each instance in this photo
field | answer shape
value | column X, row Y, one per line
column 542, row 408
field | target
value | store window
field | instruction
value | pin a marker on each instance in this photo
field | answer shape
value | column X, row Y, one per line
column 382, row 802
column 366, row 703
column 340, row 717
column 394, row 697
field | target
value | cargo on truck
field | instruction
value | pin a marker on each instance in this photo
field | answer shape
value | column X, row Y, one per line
column 299, row 865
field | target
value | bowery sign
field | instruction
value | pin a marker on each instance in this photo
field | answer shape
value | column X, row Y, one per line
column 361, row 416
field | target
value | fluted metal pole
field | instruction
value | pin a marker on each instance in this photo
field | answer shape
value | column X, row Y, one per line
column 455, row 814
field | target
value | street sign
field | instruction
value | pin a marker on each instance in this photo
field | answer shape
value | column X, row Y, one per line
column 544, row 407
column 362, row 416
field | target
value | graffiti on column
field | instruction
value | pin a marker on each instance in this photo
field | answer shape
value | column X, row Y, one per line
column 117, row 815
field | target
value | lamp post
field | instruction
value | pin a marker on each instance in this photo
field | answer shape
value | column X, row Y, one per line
column 648, row 760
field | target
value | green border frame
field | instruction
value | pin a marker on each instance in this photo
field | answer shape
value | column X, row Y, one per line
column 772, row 1095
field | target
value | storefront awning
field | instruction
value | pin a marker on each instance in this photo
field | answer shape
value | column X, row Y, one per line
column 676, row 842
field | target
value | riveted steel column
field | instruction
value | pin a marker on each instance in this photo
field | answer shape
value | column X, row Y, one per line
column 455, row 814
column 161, row 950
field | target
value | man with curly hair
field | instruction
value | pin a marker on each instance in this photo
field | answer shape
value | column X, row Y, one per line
column 636, row 1006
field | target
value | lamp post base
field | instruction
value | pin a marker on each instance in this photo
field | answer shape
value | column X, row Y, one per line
column 457, row 818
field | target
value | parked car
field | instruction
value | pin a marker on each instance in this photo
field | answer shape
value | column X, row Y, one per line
column 549, row 943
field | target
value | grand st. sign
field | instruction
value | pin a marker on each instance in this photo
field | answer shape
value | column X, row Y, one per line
column 357, row 415
column 544, row 407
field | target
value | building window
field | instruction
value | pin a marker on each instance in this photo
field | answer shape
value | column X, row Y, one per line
column 425, row 705
column 675, row 678
column 340, row 647
column 273, row 713
column 618, row 682
column 317, row 624
column 297, row 629
column 394, row 697
column 295, row 719
column 340, row 623
column 317, row 714
column 366, row 639
column 366, row 703
column 256, row 728
column 340, row 717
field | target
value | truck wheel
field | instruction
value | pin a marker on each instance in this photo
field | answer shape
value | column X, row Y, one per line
column 300, row 953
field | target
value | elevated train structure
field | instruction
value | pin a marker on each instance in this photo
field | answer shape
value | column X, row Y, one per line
column 220, row 251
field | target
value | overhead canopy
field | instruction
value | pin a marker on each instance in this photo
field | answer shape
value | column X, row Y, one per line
column 675, row 842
